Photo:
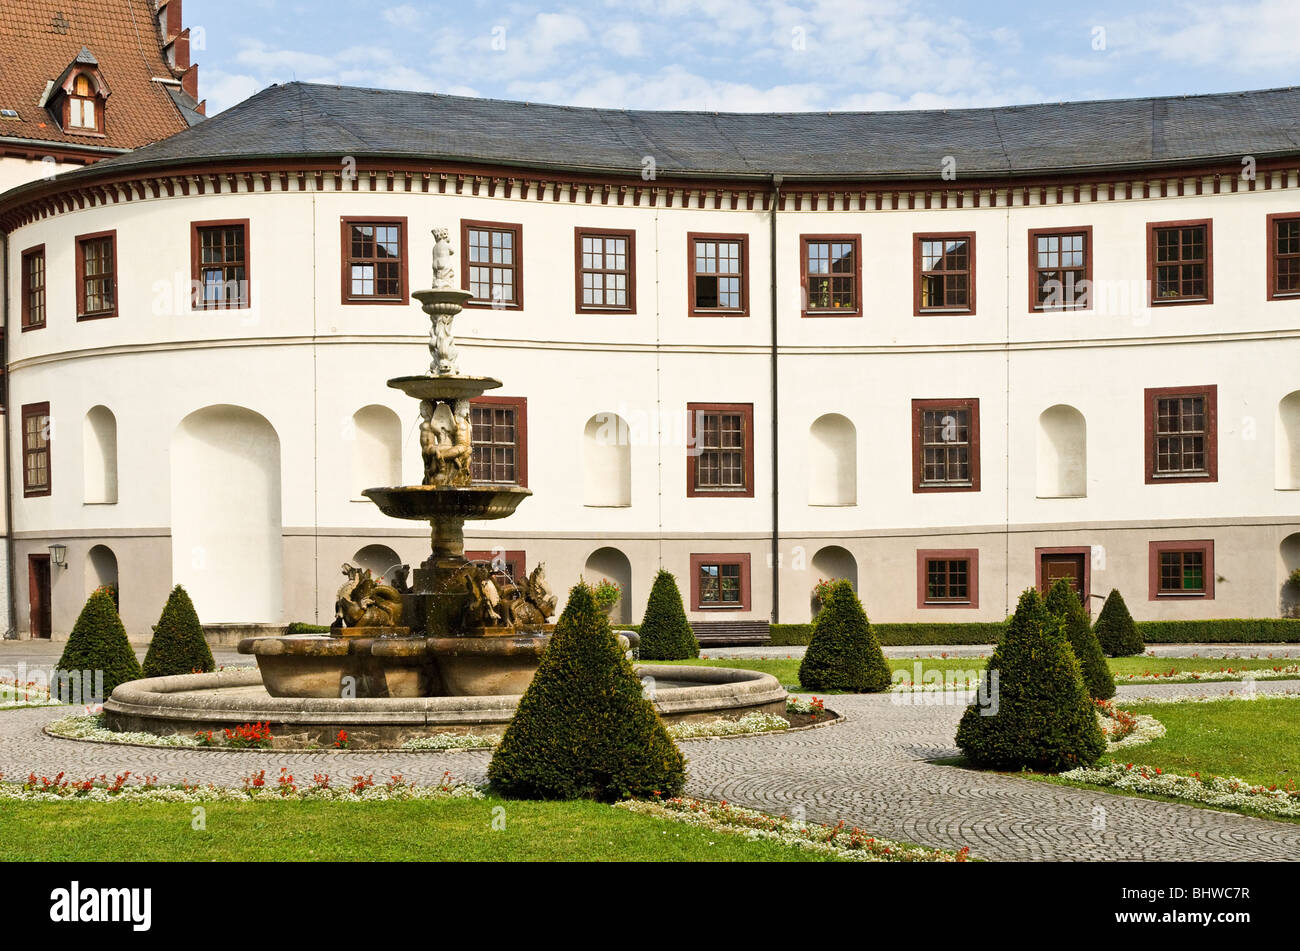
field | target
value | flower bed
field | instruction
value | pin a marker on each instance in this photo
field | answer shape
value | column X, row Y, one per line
column 79, row 727
column 453, row 741
column 256, row 787
column 847, row 842
column 1176, row 676
column 1221, row 791
column 749, row 723
column 1123, row 729
column 17, row 696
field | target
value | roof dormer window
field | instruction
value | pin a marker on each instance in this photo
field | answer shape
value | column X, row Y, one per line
column 77, row 98
column 83, row 106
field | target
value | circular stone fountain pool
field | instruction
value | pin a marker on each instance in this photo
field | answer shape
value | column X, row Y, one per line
column 189, row 703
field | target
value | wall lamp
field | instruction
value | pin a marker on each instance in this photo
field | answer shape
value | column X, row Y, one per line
column 59, row 555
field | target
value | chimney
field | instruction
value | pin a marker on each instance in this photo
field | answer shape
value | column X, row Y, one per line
column 190, row 81
column 169, row 19
column 181, row 50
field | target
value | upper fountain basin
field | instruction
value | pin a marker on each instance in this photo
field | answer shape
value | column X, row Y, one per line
column 425, row 502
column 443, row 387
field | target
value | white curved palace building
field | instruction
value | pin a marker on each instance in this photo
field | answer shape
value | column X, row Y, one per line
column 947, row 355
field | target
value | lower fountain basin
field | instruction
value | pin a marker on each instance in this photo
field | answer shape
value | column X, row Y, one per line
column 318, row 665
column 357, row 666
column 474, row 666
column 188, row 703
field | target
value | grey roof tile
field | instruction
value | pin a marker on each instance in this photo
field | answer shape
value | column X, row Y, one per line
column 303, row 119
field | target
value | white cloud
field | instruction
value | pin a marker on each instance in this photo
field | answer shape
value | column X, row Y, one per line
column 403, row 17
column 623, row 38
column 223, row 90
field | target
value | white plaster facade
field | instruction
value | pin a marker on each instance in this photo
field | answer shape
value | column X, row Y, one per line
column 237, row 432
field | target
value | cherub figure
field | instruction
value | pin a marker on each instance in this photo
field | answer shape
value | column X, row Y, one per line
column 444, row 274
column 455, row 454
column 428, row 442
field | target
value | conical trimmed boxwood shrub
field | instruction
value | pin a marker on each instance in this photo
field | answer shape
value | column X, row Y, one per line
column 843, row 653
column 98, row 642
column 178, row 645
column 1115, row 630
column 1039, row 714
column 584, row 728
column 1063, row 603
column 665, row 632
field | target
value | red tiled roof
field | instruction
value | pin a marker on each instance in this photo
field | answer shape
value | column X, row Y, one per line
column 40, row 38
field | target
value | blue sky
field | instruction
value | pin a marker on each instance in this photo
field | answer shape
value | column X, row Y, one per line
column 750, row 55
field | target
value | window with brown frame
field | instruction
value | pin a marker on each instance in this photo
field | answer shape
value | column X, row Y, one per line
column 1181, row 569
column 945, row 445
column 83, row 110
column 499, row 426
column 493, row 267
column 374, row 260
column 947, row 578
column 1182, row 434
column 33, row 288
column 606, row 271
column 97, row 275
column 944, row 279
column 832, row 275
column 36, row 449
column 1179, row 262
column 1283, row 256
column 219, row 265
column 720, row 449
column 1060, row 269
column 720, row 582
column 718, row 278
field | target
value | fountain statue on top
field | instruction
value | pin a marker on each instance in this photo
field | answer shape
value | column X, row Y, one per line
column 459, row 628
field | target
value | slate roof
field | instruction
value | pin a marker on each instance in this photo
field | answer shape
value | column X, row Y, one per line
column 39, row 39
column 302, row 119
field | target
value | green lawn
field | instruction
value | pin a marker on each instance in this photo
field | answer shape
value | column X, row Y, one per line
column 787, row 670
column 444, row 830
column 1256, row 740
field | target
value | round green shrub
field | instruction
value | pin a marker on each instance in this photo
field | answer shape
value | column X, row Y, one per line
column 665, row 632
column 1115, row 630
column 98, row 642
column 843, row 653
column 178, row 645
column 1064, row 604
column 584, row 728
column 1037, row 715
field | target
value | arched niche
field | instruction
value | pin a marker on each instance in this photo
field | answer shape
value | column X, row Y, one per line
column 226, row 525
column 99, row 455
column 1062, row 453
column 380, row 559
column 376, row 449
column 101, row 571
column 612, row 564
column 606, row 462
column 830, row 564
column 1288, row 441
column 833, row 461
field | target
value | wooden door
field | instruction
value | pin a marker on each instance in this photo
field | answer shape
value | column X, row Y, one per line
column 1067, row 566
column 38, row 578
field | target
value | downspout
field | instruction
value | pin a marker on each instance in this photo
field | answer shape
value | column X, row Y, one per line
column 776, row 481
column 11, row 611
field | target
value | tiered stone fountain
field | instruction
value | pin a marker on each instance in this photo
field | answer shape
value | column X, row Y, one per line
column 461, row 629
column 450, row 651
